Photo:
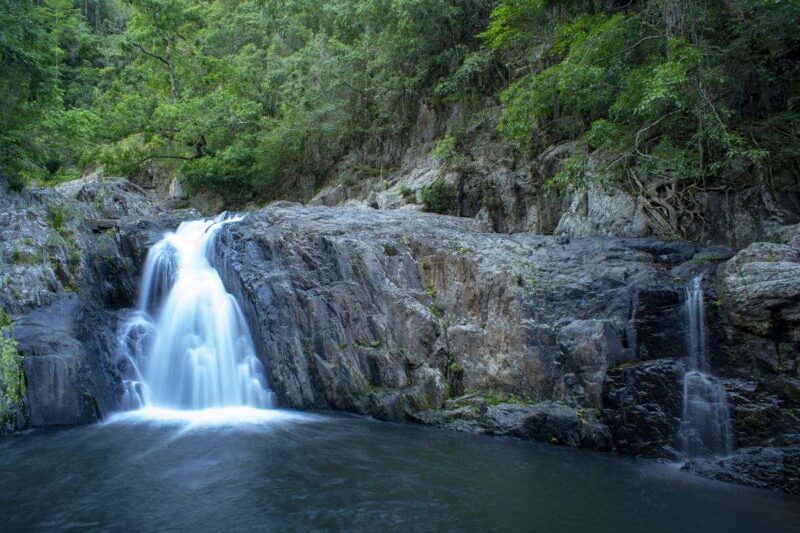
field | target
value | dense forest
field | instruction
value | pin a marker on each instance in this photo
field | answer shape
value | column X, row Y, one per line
column 253, row 100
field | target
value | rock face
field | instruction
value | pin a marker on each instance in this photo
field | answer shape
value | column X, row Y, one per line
column 68, row 262
column 762, row 286
column 602, row 212
column 409, row 316
column 643, row 407
column 495, row 183
column 66, row 384
column 394, row 313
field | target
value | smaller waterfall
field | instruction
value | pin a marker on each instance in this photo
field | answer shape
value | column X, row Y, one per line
column 188, row 346
column 705, row 422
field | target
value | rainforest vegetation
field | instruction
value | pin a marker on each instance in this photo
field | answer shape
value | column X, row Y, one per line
column 253, row 100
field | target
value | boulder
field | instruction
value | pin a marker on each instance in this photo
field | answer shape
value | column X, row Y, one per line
column 587, row 349
column 760, row 288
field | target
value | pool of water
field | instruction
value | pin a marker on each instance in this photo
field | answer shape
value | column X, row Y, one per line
column 279, row 470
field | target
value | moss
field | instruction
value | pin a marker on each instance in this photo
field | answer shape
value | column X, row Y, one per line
column 407, row 194
column 437, row 310
column 377, row 343
column 23, row 257
column 712, row 257
column 447, row 150
column 430, row 290
column 463, row 250
column 57, row 215
column 493, row 398
column 307, row 348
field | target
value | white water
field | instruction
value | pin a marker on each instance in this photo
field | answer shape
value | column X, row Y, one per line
column 188, row 347
column 705, row 422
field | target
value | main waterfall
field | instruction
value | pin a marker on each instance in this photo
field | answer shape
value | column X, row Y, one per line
column 705, row 422
column 188, row 346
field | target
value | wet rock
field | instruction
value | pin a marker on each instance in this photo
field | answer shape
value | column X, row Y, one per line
column 642, row 407
column 348, row 299
column 559, row 424
column 765, row 468
column 63, row 267
column 67, row 382
column 551, row 422
column 765, row 413
column 376, row 312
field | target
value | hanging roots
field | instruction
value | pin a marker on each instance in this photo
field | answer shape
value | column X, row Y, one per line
column 670, row 207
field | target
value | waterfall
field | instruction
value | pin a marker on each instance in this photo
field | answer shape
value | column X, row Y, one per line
column 187, row 345
column 705, row 422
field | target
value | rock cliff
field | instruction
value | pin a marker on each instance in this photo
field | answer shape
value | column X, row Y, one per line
column 411, row 316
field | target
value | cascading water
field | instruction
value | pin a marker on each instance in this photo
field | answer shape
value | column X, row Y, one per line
column 705, row 422
column 188, row 346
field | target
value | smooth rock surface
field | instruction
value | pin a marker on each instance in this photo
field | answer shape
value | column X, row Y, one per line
column 762, row 287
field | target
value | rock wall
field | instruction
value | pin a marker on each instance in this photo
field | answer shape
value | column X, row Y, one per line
column 493, row 182
column 411, row 316
column 69, row 260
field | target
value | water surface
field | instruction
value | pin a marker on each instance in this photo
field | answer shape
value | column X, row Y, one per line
column 279, row 470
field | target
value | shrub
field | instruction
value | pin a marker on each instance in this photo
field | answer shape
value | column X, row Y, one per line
column 447, row 150
column 12, row 382
column 438, row 197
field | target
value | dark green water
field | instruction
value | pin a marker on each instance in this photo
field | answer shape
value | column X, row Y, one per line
column 321, row 472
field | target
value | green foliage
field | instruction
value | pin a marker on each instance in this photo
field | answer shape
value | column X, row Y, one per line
column 447, row 150
column 258, row 99
column 12, row 381
column 57, row 218
column 407, row 194
column 438, row 197
column 252, row 100
column 656, row 94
